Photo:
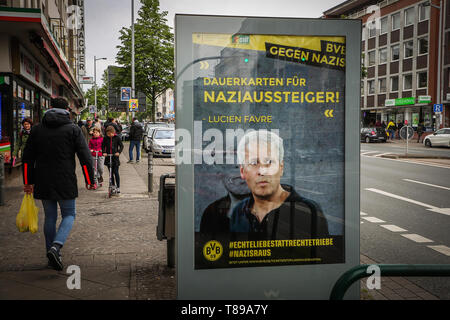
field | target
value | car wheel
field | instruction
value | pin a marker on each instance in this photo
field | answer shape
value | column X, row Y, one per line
column 367, row 139
column 428, row 143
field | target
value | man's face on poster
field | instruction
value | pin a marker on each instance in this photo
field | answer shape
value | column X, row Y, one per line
column 262, row 169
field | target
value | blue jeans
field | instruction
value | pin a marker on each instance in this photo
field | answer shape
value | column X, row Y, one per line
column 51, row 214
column 136, row 143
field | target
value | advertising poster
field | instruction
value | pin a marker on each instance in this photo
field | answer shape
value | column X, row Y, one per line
column 269, row 133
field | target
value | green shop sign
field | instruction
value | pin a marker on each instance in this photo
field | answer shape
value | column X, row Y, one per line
column 404, row 101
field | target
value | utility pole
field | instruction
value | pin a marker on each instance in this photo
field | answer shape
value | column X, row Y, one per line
column 133, row 94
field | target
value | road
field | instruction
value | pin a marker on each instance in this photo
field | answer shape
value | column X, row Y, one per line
column 405, row 210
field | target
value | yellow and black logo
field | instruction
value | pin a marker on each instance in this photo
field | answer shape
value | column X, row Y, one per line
column 212, row 250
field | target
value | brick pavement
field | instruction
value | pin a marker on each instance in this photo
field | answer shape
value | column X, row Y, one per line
column 113, row 242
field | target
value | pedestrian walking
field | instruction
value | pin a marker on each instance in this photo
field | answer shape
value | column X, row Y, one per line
column 95, row 145
column 49, row 173
column 420, row 130
column 391, row 128
column 112, row 145
column 87, row 130
column 136, row 133
column 22, row 139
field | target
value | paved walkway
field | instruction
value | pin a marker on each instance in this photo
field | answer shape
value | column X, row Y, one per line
column 113, row 241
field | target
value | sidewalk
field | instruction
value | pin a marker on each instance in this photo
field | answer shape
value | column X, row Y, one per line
column 114, row 243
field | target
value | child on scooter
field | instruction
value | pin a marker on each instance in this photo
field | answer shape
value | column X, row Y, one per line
column 112, row 144
column 95, row 145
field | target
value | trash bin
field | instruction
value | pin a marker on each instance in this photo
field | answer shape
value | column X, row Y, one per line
column 166, row 215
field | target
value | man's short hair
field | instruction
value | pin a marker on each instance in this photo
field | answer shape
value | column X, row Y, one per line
column 260, row 136
column 110, row 129
column 59, row 103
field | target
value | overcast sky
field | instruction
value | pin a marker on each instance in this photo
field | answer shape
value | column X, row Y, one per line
column 105, row 18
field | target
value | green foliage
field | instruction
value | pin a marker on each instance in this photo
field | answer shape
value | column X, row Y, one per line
column 154, row 54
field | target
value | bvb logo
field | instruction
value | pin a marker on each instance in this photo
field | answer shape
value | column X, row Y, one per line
column 212, row 250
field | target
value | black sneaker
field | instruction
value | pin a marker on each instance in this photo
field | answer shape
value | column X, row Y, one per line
column 137, row 161
column 54, row 259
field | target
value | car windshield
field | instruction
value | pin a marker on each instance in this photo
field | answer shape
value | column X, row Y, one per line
column 165, row 134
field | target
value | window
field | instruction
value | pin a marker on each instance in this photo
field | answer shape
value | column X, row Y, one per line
column 383, row 55
column 371, row 58
column 382, row 85
column 362, row 88
column 3, row 3
column 423, row 45
column 408, row 49
column 424, row 12
column 422, row 79
column 363, row 33
column 395, row 52
column 384, row 25
column 407, row 82
column 395, row 21
column 409, row 16
column 394, row 84
column 372, row 29
column 371, row 86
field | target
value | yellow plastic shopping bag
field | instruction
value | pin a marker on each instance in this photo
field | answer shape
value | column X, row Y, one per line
column 27, row 218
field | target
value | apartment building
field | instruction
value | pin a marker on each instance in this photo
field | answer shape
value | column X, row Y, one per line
column 165, row 106
column 41, row 57
column 405, row 50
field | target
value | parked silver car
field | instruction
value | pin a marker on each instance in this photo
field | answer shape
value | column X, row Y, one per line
column 162, row 141
column 439, row 138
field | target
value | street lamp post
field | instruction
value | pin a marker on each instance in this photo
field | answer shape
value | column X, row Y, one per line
column 133, row 96
column 95, row 79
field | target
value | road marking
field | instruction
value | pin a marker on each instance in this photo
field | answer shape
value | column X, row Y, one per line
column 416, row 238
column 363, row 214
column 401, row 198
column 409, row 161
column 363, row 154
column 382, row 154
column 427, row 184
column 393, row 228
column 441, row 249
column 373, row 219
column 429, row 207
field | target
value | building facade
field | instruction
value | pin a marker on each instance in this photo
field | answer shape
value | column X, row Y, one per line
column 165, row 109
column 41, row 57
column 405, row 50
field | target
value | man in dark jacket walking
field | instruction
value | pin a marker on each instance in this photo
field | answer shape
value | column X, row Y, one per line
column 136, row 132
column 49, row 173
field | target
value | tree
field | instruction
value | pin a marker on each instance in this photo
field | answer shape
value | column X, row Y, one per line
column 154, row 54
column 102, row 96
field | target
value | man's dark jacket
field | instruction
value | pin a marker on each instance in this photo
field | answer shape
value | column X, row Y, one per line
column 136, row 131
column 296, row 218
column 49, row 157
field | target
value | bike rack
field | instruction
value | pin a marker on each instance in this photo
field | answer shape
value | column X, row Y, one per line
column 387, row 270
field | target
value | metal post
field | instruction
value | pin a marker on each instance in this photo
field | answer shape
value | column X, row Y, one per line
column 438, row 89
column 133, row 95
column 2, row 180
column 150, row 171
column 95, row 82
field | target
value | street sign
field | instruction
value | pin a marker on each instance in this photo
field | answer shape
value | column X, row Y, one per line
column 406, row 132
column 249, row 99
column 92, row 109
column 86, row 80
column 437, row 108
column 125, row 94
column 133, row 105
